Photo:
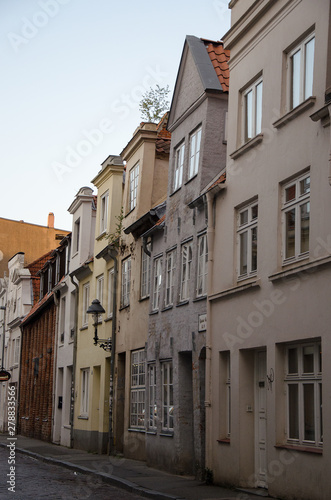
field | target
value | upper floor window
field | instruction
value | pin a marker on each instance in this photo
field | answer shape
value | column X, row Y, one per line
column 247, row 240
column 170, row 277
column 252, row 110
column 110, row 298
column 195, row 140
column 186, row 265
column 145, row 272
column 99, row 294
column 296, row 217
column 134, row 177
column 179, row 166
column 157, row 280
column 86, row 303
column 126, row 282
column 300, row 65
column 104, row 212
column 76, row 236
column 202, row 265
column 62, row 318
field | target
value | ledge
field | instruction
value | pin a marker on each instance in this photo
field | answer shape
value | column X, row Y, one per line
column 141, row 431
column 308, row 103
column 322, row 114
column 235, row 289
column 183, row 303
column 300, row 268
column 191, row 179
column 108, row 319
column 101, row 236
column 224, row 441
column 167, row 308
column 154, row 312
column 167, row 434
column 151, row 433
column 124, row 307
column 247, row 146
column 82, row 417
column 83, row 328
column 198, row 299
column 305, row 449
column 176, row 191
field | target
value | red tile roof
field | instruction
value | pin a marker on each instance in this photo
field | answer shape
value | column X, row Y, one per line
column 37, row 306
column 162, row 144
column 219, row 58
column 34, row 267
column 220, row 180
column 159, row 222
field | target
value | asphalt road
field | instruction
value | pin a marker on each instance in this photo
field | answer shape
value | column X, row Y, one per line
column 34, row 479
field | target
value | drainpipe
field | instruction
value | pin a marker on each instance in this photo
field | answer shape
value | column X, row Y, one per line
column 72, row 402
column 56, row 296
column 113, row 254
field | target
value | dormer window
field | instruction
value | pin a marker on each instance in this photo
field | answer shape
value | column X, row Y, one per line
column 104, row 212
column 134, row 177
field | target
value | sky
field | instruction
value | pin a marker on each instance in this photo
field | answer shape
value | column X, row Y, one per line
column 72, row 75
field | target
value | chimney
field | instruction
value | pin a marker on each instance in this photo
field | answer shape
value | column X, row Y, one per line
column 50, row 220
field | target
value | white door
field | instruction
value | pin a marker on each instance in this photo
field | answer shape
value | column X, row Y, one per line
column 260, row 419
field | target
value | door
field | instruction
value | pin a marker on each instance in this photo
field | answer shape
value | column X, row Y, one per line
column 261, row 419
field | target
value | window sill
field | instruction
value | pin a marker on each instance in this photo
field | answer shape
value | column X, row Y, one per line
column 191, row 178
column 129, row 212
column 143, row 298
column 236, row 289
column 305, row 449
column 82, row 417
column 176, row 191
column 301, row 268
column 224, row 441
column 308, row 103
column 198, row 299
column 168, row 434
column 183, row 303
column 151, row 433
column 167, row 308
column 247, row 146
column 83, row 328
column 108, row 319
column 156, row 311
column 101, row 236
column 142, row 431
column 124, row 307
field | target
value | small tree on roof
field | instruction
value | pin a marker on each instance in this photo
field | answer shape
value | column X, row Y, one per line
column 154, row 104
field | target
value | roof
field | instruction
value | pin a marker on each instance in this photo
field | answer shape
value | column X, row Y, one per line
column 221, row 179
column 219, row 58
column 158, row 225
column 34, row 267
column 37, row 307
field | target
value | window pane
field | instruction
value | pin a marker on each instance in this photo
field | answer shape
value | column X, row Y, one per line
column 290, row 193
column 308, row 359
column 244, row 217
column 254, row 249
column 309, row 418
column 309, row 69
column 305, row 213
column 321, row 414
column 290, row 233
column 254, row 212
column 258, row 118
column 293, row 360
column 293, row 411
column 296, row 62
column 305, row 185
column 249, row 115
column 243, row 252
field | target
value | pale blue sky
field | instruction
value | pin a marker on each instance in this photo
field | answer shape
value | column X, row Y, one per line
column 70, row 67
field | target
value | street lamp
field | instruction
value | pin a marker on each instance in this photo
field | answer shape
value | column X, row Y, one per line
column 96, row 309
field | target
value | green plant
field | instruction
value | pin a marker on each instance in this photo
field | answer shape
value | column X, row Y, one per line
column 114, row 238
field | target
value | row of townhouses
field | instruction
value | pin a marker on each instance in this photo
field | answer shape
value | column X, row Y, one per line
column 185, row 320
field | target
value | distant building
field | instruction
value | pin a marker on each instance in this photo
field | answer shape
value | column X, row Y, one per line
column 31, row 239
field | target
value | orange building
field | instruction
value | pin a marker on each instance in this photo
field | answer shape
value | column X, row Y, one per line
column 32, row 239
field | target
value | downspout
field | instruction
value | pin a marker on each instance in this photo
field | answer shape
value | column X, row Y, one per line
column 74, row 358
column 113, row 254
column 56, row 340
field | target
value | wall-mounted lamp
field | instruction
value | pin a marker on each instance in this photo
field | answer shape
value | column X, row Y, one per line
column 96, row 309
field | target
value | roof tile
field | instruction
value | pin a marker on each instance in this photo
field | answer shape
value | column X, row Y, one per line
column 219, row 58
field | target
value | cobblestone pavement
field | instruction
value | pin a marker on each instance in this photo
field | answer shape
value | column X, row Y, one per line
column 38, row 480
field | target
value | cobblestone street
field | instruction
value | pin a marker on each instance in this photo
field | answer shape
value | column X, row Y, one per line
column 35, row 479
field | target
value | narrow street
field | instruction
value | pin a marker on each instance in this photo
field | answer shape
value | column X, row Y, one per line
column 38, row 480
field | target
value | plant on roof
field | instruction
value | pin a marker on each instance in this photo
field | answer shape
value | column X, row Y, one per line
column 154, row 104
column 114, row 238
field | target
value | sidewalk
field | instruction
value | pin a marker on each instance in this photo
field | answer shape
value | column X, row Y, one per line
column 132, row 475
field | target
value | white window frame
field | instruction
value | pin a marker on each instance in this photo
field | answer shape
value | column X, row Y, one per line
column 252, row 110
column 104, row 207
column 179, row 166
column 138, row 389
column 145, row 275
column 126, row 282
column 110, row 298
column 76, row 236
column 84, row 403
column 17, row 351
column 170, row 278
column 296, row 204
column 152, row 406
column 86, row 300
column 62, row 317
column 99, row 291
column 157, row 282
column 133, row 186
column 247, row 236
column 304, row 90
column 302, row 379
column 186, row 269
column 202, row 272
column 195, row 144
column 167, row 396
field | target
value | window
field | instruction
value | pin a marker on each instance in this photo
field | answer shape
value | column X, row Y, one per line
column 296, row 218
column 186, row 270
column 202, row 265
column 86, row 300
column 62, row 318
column 126, row 282
column 157, row 276
column 145, row 272
column 134, row 176
column 167, row 396
column 300, row 65
column 247, row 240
column 110, row 298
column 195, row 140
column 137, row 408
column 304, row 394
column 85, row 373
column 170, row 277
column 76, row 236
column 104, row 212
column 17, row 351
column 152, row 419
column 100, row 288
column 179, row 165
column 252, row 106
